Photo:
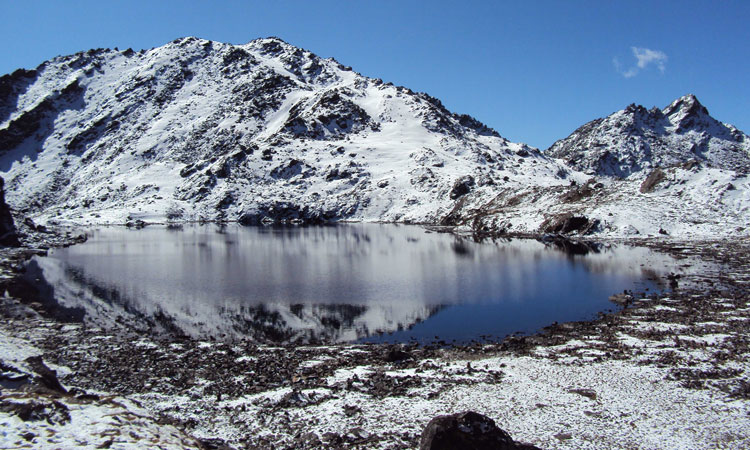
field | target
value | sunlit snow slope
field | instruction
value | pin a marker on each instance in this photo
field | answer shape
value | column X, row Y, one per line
column 202, row 130
column 268, row 132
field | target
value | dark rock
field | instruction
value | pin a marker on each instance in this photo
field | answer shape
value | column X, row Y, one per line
column 395, row 354
column 569, row 223
column 11, row 87
column 47, row 376
column 11, row 379
column 467, row 431
column 621, row 299
column 289, row 169
column 588, row 393
column 8, row 236
column 214, row 444
column 654, row 178
column 673, row 280
column 284, row 213
column 267, row 155
column 34, row 227
column 462, row 186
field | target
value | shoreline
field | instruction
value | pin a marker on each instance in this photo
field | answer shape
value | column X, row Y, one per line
column 667, row 371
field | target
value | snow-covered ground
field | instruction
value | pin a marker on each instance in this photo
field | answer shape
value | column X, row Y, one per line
column 668, row 372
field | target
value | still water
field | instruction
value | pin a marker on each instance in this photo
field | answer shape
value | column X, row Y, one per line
column 344, row 283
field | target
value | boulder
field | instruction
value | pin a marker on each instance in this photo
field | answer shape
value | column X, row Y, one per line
column 396, row 355
column 467, row 431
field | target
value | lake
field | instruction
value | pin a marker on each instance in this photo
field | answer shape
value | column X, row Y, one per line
column 325, row 284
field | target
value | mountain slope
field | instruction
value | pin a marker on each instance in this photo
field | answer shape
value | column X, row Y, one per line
column 199, row 130
column 675, row 171
column 636, row 139
column 268, row 132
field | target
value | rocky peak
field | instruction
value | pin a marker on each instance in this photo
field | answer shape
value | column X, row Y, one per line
column 635, row 139
column 687, row 112
column 687, row 104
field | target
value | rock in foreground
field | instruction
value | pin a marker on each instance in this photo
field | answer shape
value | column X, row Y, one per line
column 468, row 431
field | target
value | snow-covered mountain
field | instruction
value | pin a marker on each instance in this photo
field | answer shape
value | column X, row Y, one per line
column 200, row 130
column 675, row 171
column 636, row 139
column 204, row 130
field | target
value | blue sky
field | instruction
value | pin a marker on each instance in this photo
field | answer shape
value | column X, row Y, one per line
column 532, row 70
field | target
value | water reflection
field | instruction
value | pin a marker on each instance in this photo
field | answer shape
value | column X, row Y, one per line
column 330, row 284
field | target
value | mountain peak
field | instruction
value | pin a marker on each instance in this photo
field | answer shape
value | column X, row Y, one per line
column 271, row 39
column 229, row 132
column 635, row 139
column 687, row 105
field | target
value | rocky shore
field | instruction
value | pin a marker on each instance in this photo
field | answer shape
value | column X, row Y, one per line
column 669, row 370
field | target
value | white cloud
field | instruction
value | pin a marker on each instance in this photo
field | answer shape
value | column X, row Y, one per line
column 644, row 57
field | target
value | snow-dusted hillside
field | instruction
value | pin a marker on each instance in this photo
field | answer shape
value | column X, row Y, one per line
column 675, row 171
column 200, row 130
column 203, row 130
column 636, row 139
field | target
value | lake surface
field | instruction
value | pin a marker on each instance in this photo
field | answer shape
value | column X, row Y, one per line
column 344, row 283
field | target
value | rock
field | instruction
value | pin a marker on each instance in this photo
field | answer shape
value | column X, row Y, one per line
column 213, row 444
column 462, row 186
column 467, row 431
column 8, row 236
column 569, row 223
column 654, row 178
column 395, row 354
column 47, row 376
column 588, row 393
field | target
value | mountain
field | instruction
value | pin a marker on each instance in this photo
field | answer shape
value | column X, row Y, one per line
column 200, row 130
column 267, row 132
column 675, row 171
column 636, row 139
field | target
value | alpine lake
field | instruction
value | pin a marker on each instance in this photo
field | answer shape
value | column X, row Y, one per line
column 334, row 284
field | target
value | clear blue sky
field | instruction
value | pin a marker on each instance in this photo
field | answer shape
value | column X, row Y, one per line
column 532, row 70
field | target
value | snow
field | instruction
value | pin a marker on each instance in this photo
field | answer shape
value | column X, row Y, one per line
column 110, row 422
column 192, row 131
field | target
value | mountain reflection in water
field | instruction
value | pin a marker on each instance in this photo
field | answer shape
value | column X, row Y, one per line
column 343, row 283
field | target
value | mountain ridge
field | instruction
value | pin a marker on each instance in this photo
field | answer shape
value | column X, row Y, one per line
column 266, row 132
column 650, row 138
